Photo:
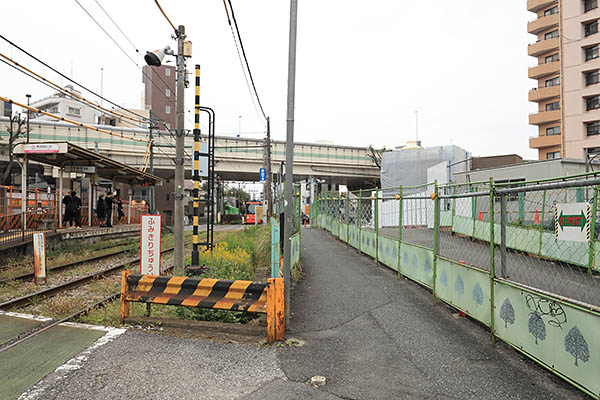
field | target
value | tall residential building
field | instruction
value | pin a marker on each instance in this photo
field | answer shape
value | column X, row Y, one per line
column 159, row 93
column 568, row 76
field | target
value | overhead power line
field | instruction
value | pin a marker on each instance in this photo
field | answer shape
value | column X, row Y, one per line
column 167, row 18
column 69, row 79
column 247, row 67
column 118, row 27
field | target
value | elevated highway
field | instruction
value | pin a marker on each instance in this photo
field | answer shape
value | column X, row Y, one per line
column 236, row 159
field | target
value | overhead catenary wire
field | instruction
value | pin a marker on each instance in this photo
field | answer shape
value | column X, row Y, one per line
column 243, row 54
column 21, row 68
column 70, row 79
column 165, row 15
column 118, row 27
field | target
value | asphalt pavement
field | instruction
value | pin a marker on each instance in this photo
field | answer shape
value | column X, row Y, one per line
column 376, row 337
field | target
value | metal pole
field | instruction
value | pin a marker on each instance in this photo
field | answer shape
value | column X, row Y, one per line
column 592, row 251
column 90, row 200
column 289, row 155
column 269, row 183
column 492, row 266
column 24, row 191
column 150, row 136
column 542, row 223
column 60, row 196
column 360, row 220
column 503, row 222
column 399, row 228
column 436, row 236
column 195, row 254
column 377, row 226
column 179, row 156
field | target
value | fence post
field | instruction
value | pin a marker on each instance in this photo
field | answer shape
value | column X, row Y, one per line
column 503, row 222
column 453, row 211
column 339, row 212
column 360, row 221
column 377, row 226
column 347, row 216
column 474, row 211
column 492, row 269
column 542, row 223
column 399, row 229
column 436, row 233
column 592, row 249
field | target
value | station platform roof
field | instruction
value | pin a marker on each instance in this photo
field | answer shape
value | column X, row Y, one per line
column 73, row 158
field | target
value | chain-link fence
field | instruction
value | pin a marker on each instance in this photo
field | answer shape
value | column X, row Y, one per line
column 522, row 258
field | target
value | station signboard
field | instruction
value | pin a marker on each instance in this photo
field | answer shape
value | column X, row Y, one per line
column 150, row 245
column 80, row 169
column 44, row 148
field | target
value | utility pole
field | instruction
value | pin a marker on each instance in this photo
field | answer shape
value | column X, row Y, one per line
column 179, row 155
column 269, row 182
column 289, row 156
column 152, row 211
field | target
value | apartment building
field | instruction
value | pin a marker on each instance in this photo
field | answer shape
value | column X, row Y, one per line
column 159, row 94
column 568, row 78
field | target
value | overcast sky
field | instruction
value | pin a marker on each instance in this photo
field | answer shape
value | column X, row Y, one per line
column 363, row 67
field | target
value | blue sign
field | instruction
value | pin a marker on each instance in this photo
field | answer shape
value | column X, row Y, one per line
column 262, row 175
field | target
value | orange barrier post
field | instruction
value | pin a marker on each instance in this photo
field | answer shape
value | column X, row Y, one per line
column 124, row 291
column 275, row 310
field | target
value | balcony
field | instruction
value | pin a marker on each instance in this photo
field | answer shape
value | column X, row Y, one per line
column 537, row 5
column 536, row 26
column 544, row 141
column 544, row 93
column 544, row 117
column 543, row 46
column 542, row 70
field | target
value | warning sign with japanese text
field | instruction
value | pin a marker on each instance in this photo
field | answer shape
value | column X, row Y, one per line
column 150, row 245
column 572, row 222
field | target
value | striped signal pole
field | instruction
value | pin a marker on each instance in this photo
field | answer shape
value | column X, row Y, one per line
column 196, row 194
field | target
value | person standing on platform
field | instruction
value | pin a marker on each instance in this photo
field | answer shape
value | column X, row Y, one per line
column 101, row 210
column 120, row 212
column 76, row 210
column 109, row 209
column 68, row 215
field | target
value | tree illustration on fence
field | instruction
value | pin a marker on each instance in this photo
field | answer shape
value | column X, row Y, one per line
column 576, row 345
column 537, row 327
column 459, row 286
column 477, row 294
column 415, row 262
column 427, row 266
column 444, row 278
column 507, row 313
column 405, row 259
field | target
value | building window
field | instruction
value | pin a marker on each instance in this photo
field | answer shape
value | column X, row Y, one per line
column 553, row 106
column 552, row 82
column 591, row 53
column 168, row 92
column 53, row 110
column 555, row 130
column 74, row 111
column 551, row 35
column 551, row 11
column 592, row 128
column 590, row 28
column 592, row 77
column 552, row 155
column 167, row 71
column 589, row 5
column 168, row 109
column 592, row 103
column 552, row 58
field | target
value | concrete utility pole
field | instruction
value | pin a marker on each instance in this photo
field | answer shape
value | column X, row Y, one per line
column 150, row 137
column 269, row 182
column 179, row 155
column 289, row 156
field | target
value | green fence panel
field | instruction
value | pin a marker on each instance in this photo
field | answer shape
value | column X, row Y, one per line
column 511, row 236
column 527, row 240
column 295, row 242
column 368, row 241
column 344, row 232
column 462, row 225
column 353, row 240
column 388, row 252
column 576, row 253
column 560, row 336
column 482, row 230
column 466, row 288
column 446, row 218
column 417, row 263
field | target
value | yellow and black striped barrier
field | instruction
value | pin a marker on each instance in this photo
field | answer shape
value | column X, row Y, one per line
column 238, row 295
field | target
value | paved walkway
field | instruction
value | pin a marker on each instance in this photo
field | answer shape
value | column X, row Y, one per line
column 376, row 337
